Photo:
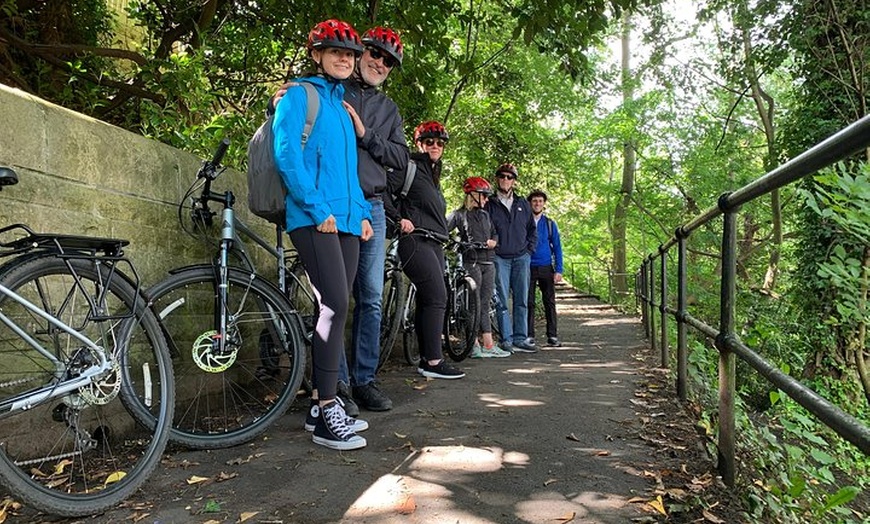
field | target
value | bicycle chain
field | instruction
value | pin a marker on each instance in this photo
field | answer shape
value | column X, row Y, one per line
column 49, row 458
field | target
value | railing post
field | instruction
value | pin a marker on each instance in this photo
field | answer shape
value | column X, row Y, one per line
column 644, row 301
column 663, row 280
column 727, row 359
column 682, row 287
column 651, row 291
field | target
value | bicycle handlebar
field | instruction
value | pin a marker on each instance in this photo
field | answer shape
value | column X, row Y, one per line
column 209, row 170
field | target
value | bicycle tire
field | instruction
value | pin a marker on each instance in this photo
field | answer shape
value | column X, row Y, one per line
column 392, row 307
column 223, row 400
column 461, row 321
column 302, row 297
column 410, row 347
column 91, row 452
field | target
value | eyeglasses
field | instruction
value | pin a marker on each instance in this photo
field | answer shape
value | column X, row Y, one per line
column 376, row 54
column 506, row 175
column 433, row 141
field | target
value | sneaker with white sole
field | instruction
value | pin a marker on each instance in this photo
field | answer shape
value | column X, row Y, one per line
column 477, row 352
column 313, row 414
column 495, row 352
column 440, row 370
column 332, row 431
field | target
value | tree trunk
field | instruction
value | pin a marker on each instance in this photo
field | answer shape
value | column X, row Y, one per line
column 765, row 105
column 620, row 282
column 861, row 336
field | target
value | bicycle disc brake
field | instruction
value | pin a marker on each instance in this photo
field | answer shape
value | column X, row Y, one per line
column 103, row 389
column 207, row 356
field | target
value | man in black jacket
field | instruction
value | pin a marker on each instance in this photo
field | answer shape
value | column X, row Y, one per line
column 517, row 238
column 381, row 145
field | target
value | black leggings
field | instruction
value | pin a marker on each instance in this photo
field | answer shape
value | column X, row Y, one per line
column 330, row 260
column 423, row 261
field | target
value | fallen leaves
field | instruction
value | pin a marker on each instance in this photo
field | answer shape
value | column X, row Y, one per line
column 239, row 460
column 568, row 517
column 196, row 479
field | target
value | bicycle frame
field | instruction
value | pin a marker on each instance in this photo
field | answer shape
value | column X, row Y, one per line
column 49, row 392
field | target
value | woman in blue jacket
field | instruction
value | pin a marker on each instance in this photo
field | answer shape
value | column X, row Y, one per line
column 327, row 213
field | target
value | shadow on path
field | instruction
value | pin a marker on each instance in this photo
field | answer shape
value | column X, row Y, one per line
column 546, row 437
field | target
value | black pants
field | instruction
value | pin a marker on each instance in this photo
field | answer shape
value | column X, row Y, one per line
column 542, row 277
column 330, row 261
column 423, row 261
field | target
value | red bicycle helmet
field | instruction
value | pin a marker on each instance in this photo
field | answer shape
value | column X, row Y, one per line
column 334, row 33
column 475, row 184
column 507, row 168
column 430, row 129
column 386, row 40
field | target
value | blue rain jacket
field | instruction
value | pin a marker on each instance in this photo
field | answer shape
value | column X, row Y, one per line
column 322, row 179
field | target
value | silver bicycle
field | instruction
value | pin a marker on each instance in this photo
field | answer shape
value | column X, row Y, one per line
column 86, row 384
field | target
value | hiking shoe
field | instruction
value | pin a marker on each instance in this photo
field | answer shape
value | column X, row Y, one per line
column 350, row 407
column 372, row 398
column 332, row 431
column 313, row 414
column 523, row 346
column 553, row 341
column 495, row 352
column 440, row 370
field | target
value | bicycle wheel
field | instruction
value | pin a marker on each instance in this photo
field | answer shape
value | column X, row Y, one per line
column 461, row 321
column 409, row 335
column 83, row 452
column 392, row 308
column 302, row 297
column 225, row 399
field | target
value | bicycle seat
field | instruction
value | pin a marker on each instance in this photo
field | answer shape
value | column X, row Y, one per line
column 8, row 177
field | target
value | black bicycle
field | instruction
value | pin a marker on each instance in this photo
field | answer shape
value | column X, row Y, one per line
column 460, row 320
column 393, row 302
column 237, row 341
column 86, row 384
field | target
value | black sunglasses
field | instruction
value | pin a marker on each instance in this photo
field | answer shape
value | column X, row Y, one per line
column 432, row 141
column 506, row 175
column 376, row 53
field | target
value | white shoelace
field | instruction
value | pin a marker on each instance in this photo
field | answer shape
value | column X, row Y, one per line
column 336, row 421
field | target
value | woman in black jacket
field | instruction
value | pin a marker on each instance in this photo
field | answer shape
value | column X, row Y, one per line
column 421, row 214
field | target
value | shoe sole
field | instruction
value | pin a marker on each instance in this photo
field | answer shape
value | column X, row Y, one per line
column 377, row 408
column 340, row 445
column 430, row 374
column 357, row 426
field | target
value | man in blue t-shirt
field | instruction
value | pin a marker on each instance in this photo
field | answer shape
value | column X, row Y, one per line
column 546, row 266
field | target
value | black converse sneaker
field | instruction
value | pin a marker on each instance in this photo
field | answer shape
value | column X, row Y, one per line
column 440, row 370
column 332, row 431
column 356, row 425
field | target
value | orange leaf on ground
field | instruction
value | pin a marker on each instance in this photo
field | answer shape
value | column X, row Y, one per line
column 408, row 506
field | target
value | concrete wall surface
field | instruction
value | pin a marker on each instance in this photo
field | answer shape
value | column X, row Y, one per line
column 78, row 175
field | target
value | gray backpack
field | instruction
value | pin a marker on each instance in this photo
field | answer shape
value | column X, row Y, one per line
column 266, row 191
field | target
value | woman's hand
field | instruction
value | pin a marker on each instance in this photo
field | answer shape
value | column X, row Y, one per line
column 367, row 231
column 358, row 126
column 490, row 244
column 406, row 225
column 328, row 225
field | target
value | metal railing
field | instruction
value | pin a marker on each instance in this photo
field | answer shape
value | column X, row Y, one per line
column 652, row 291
